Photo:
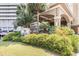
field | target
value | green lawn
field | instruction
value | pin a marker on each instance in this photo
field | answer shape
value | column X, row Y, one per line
column 19, row 49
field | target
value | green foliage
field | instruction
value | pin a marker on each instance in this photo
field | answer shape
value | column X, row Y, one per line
column 59, row 44
column 63, row 41
column 21, row 8
column 44, row 25
column 64, row 31
column 30, row 38
column 35, row 39
column 41, row 39
column 75, row 41
column 23, row 17
column 51, row 29
column 34, row 7
column 16, row 38
column 54, row 42
column 25, row 13
column 10, row 36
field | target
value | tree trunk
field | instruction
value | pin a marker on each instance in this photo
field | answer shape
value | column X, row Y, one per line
column 38, row 21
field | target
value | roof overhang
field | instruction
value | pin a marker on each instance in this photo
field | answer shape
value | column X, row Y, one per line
column 62, row 7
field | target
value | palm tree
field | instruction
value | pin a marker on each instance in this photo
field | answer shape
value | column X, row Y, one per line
column 36, row 8
column 23, row 17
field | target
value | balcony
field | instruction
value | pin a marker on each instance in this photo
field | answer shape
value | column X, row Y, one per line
column 7, row 14
column 7, row 7
column 8, row 17
column 8, row 4
column 4, row 11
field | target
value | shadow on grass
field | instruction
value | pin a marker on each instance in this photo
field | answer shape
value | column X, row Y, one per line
column 10, row 43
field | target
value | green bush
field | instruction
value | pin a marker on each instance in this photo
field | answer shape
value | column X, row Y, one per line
column 10, row 36
column 40, row 39
column 30, row 38
column 44, row 25
column 64, row 31
column 35, row 39
column 59, row 44
column 53, row 42
column 75, row 42
column 63, row 41
column 16, row 38
column 51, row 29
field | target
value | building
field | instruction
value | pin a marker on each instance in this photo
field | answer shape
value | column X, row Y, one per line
column 7, row 16
column 58, row 14
column 62, row 14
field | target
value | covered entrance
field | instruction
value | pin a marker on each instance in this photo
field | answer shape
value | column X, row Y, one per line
column 57, row 15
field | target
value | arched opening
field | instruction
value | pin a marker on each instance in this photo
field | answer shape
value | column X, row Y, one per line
column 64, row 20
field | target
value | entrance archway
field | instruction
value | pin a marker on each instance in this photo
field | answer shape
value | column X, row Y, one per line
column 64, row 20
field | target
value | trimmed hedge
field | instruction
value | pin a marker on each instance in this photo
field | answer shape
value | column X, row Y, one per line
column 12, row 36
column 29, row 38
column 54, row 42
column 35, row 39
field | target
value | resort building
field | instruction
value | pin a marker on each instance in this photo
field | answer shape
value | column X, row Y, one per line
column 62, row 14
column 7, row 16
column 58, row 14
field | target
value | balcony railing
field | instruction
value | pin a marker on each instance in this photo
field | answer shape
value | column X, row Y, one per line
column 8, row 10
column 8, row 17
column 7, row 14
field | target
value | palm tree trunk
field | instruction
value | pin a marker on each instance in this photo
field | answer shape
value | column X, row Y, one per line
column 38, row 21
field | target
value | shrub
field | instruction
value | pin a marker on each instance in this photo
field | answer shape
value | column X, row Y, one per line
column 53, row 42
column 65, row 46
column 40, row 39
column 10, row 36
column 75, row 42
column 7, row 38
column 16, row 38
column 51, row 29
column 30, row 38
column 63, row 41
column 59, row 44
column 64, row 31
column 35, row 39
column 44, row 25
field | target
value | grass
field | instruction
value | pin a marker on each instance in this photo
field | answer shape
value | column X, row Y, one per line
column 19, row 49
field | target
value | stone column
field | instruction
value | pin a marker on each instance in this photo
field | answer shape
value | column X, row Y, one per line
column 57, row 21
column 69, row 24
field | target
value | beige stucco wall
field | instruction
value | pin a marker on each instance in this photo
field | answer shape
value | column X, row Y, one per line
column 75, row 14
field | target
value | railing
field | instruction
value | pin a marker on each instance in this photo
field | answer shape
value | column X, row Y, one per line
column 8, row 17
column 8, row 4
column 8, row 14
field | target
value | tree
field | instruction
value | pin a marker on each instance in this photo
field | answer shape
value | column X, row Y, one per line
column 44, row 26
column 23, row 17
column 36, row 8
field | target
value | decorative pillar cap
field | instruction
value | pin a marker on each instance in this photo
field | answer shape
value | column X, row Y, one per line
column 57, row 17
